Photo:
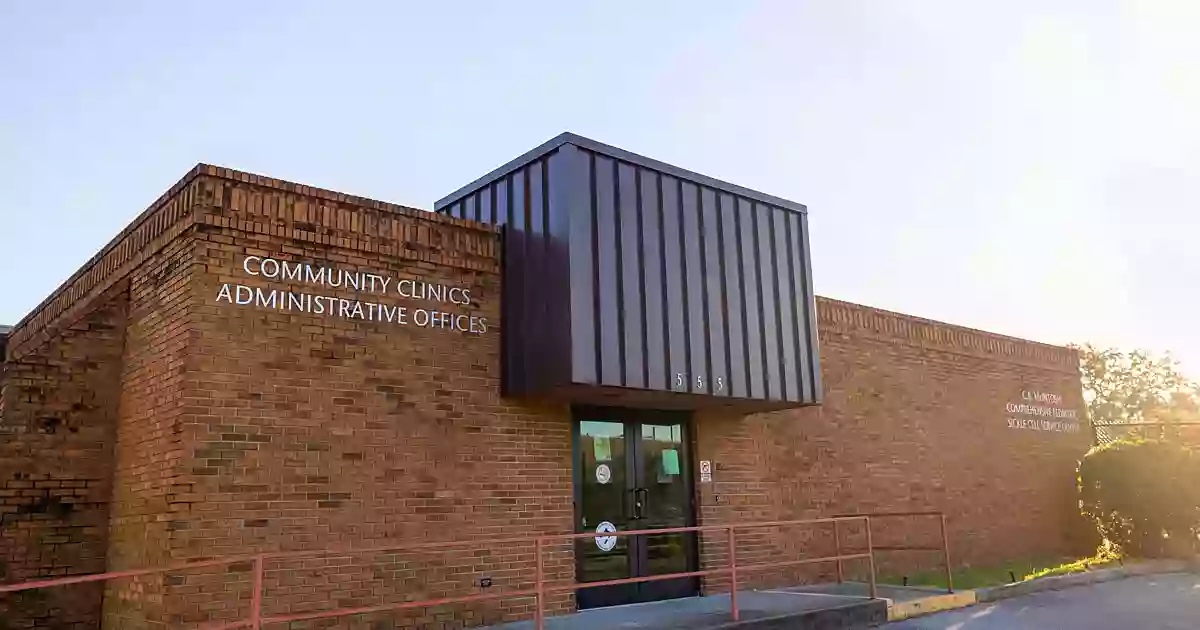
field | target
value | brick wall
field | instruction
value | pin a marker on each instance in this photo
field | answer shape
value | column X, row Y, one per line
column 914, row 418
column 242, row 430
column 57, row 421
column 150, row 436
column 71, row 346
column 305, row 431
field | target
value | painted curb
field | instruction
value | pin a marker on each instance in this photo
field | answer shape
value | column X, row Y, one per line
column 1057, row 582
column 930, row 605
column 950, row 601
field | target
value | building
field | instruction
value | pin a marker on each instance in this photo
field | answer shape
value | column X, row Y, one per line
column 255, row 365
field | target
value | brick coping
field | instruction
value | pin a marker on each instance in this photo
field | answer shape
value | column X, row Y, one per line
column 837, row 315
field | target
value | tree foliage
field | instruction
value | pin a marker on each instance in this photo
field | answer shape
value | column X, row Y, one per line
column 1143, row 496
column 1136, row 387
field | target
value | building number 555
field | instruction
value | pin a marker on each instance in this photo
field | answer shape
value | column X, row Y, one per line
column 680, row 382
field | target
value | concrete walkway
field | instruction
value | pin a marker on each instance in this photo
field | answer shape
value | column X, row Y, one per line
column 759, row 609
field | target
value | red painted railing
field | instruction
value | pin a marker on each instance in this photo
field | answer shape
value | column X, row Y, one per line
column 944, row 549
column 257, row 620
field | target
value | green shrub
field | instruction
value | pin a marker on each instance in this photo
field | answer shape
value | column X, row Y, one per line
column 1143, row 496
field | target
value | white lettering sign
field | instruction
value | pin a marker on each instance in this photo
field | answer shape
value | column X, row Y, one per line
column 289, row 300
column 1041, row 411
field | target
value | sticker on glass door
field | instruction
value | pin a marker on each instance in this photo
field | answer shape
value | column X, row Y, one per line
column 603, row 473
column 606, row 543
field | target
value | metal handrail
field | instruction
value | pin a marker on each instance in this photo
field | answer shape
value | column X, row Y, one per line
column 945, row 548
column 255, row 604
column 540, row 590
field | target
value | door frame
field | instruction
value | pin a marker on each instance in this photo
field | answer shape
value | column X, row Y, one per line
column 633, row 416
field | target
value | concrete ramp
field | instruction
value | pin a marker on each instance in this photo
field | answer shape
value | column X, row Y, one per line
column 760, row 610
column 902, row 601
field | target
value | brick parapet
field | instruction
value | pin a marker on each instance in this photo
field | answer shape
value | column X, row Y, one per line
column 156, row 226
column 258, row 205
column 252, row 203
column 836, row 316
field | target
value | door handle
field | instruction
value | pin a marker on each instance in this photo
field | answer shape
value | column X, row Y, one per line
column 640, row 496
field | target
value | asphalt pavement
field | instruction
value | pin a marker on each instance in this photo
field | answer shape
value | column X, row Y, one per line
column 1152, row 602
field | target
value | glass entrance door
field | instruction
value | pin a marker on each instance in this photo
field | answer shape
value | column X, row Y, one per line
column 632, row 472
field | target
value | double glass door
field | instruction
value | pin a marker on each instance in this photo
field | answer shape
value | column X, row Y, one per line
column 632, row 473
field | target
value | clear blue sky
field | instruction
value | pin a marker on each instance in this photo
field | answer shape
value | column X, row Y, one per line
column 1030, row 168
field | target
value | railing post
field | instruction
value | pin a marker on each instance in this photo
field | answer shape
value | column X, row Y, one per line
column 871, row 557
column 946, row 555
column 257, row 597
column 837, row 544
column 733, row 576
column 539, row 619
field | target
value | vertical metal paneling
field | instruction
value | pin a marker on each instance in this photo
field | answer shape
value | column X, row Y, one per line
column 714, row 298
column 556, row 300
column 624, row 272
column 781, row 253
column 801, row 323
column 469, row 208
column 607, row 272
column 574, row 214
column 510, row 315
column 734, row 313
column 751, row 306
column 516, row 277
column 487, row 200
column 537, row 284
column 517, row 203
column 631, row 249
column 675, row 306
column 693, row 288
column 767, row 298
column 655, row 288
column 501, row 204
column 810, row 310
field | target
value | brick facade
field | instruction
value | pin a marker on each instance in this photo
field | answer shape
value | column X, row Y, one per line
column 307, row 431
column 914, row 419
column 57, row 426
column 219, row 429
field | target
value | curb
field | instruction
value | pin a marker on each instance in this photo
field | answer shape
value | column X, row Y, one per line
column 1057, row 582
column 938, row 603
column 929, row 605
column 863, row 614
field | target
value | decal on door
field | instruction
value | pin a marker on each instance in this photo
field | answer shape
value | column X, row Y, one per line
column 603, row 474
column 606, row 543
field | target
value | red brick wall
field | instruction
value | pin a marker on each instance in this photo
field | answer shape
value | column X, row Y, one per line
column 57, row 421
column 59, row 409
column 246, row 431
column 914, row 418
column 151, row 433
column 306, row 431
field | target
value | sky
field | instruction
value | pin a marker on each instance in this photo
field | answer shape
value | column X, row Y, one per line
column 1030, row 168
